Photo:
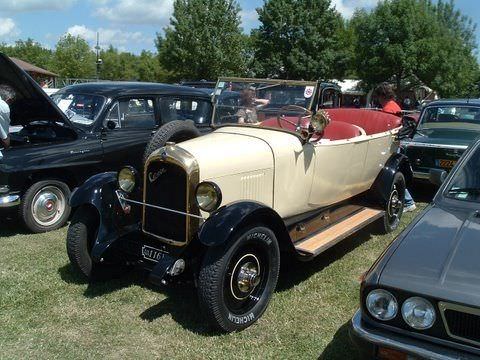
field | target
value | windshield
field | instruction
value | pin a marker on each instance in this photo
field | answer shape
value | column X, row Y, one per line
column 465, row 184
column 81, row 109
column 462, row 117
column 250, row 102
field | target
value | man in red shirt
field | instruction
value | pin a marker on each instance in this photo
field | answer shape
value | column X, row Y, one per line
column 386, row 98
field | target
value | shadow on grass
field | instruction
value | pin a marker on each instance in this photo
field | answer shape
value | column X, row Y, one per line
column 341, row 347
column 293, row 271
column 180, row 303
column 10, row 225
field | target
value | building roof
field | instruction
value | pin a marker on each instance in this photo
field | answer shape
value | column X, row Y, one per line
column 32, row 68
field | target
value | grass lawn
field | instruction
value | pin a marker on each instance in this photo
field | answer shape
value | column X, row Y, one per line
column 47, row 312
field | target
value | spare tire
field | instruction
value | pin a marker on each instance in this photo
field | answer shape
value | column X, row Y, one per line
column 176, row 131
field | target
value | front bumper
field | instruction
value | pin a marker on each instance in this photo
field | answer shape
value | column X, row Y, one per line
column 9, row 200
column 368, row 339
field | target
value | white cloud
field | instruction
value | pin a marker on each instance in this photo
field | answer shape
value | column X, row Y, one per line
column 115, row 37
column 347, row 7
column 8, row 28
column 155, row 12
column 34, row 5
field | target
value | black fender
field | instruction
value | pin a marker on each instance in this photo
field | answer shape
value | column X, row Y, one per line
column 383, row 183
column 223, row 223
column 99, row 192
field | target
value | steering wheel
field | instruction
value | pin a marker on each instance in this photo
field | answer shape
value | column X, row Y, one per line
column 292, row 108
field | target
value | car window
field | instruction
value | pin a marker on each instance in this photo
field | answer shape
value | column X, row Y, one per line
column 81, row 109
column 172, row 108
column 465, row 184
column 133, row 113
column 329, row 99
column 439, row 115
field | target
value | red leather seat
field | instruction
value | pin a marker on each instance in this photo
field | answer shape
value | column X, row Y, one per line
column 372, row 121
column 339, row 130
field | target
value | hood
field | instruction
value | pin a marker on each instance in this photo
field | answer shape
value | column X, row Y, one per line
column 458, row 137
column 31, row 102
column 222, row 153
column 439, row 257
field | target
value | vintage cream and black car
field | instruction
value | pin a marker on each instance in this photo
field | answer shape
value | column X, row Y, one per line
column 286, row 178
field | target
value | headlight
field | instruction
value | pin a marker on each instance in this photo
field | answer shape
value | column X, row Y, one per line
column 208, row 196
column 127, row 179
column 382, row 305
column 418, row 313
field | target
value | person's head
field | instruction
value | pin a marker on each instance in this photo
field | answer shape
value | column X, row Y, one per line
column 7, row 93
column 384, row 93
column 246, row 97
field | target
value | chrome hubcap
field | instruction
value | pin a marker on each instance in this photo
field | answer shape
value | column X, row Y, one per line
column 394, row 203
column 48, row 205
column 245, row 276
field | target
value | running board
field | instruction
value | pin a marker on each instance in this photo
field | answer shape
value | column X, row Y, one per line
column 335, row 233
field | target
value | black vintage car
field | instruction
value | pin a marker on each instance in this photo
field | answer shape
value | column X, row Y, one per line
column 103, row 126
column 422, row 296
column 445, row 129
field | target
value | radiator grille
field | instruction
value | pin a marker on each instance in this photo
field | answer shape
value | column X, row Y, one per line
column 169, row 190
column 462, row 323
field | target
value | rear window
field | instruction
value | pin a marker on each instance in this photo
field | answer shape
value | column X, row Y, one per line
column 450, row 116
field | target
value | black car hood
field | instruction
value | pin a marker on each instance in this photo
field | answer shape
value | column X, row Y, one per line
column 439, row 257
column 446, row 136
column 31, row 102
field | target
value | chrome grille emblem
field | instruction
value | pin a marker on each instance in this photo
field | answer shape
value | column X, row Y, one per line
column 152, row 176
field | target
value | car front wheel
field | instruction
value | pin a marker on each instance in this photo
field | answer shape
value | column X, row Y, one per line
column 81, row 236
column 45, row 206
column 394, row 205
column 237, row 280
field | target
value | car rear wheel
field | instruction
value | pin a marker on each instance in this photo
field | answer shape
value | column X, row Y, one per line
column 394, row 205
column 81, row 236
column 45, row 206
column 177, row 131
column 237, row 280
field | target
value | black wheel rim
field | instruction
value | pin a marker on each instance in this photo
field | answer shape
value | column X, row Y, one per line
column 246, row 279
column 395, row 205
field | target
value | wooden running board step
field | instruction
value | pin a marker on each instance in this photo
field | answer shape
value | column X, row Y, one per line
column 325, row 239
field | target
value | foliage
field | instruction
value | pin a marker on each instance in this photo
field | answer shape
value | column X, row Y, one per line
column 300, row 39
column 204, row 40
column 416, row 40
column 29, row 51
column 73, row 58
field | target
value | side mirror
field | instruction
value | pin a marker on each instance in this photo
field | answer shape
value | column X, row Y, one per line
column 111, row 124
column 409, row 126
column 437, row 176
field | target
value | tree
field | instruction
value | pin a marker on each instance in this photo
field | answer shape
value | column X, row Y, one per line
column 416, row 40
column 73, row 58
column 29, row 51
column 299, row 39
column 203, row 41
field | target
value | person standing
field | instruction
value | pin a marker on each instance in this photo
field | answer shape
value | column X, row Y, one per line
column 386, row 98
column 7, row 95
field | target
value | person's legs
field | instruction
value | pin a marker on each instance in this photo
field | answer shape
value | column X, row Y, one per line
column 409, row 202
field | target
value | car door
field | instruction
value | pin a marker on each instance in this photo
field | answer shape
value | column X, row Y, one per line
column 127, row 128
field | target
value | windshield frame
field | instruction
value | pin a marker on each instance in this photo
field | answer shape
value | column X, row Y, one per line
column 99, row 113
column 447, row 125
column 314, row 84
column 442, row 194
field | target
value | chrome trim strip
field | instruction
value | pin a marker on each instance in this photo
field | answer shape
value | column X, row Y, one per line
column 459, row 308
column 122, row 198
column 421, row 175
column 407, row 144
column 9, row 201
column 421, row 349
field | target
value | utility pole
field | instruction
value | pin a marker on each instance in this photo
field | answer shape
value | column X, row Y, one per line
column 98, row 61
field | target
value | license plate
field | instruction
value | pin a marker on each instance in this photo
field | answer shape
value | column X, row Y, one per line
column 152, row 254
column 446, row 164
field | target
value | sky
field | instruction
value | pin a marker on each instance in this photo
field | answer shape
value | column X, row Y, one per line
column 129, row 25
